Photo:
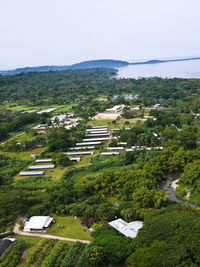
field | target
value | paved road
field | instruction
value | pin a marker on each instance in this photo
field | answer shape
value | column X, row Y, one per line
column 11, row 138
column 18, row 232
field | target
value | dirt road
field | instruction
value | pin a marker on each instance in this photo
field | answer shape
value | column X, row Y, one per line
column 13, row 137
column 19, row 232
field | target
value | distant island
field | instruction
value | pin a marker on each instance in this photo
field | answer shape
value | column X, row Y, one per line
column 91, row 64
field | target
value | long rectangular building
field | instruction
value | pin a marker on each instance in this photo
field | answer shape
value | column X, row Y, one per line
column 79, row 153
column 75, row 159
column 82, row 148
column 97, row 130
column 43, row 160
column 100, row 134
column 99, row 127
column 109, row 153
column 41, row 167
column 88, row 143
column 116, row 148
column 97, row 139
column 31, row 173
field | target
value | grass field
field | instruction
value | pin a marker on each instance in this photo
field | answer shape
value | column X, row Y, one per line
column 71, row 229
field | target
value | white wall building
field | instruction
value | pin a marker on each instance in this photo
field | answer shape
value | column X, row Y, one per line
column 115, row 109
column 41, row 167
column 43, row 160
column 116, row 148
column 128, row 229
column 31, row 173
column 88, row 143
column 97, row 139
column 109, row 153
column 37, row 223
column 79, row 153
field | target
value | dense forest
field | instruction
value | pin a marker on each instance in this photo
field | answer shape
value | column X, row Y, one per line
column 123, row 186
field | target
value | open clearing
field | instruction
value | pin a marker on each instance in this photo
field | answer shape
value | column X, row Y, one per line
column 71, row 229
column 109, row 116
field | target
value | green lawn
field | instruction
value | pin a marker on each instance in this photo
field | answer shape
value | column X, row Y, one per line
column 71, row 229
column 57, row 172
column 99, row 122
column 66, row 108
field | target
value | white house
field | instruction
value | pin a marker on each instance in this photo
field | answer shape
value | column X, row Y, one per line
column 128, row 229
column 37, row 223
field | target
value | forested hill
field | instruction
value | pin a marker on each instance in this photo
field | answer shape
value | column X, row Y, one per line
column 91, row 64
column 103, row 63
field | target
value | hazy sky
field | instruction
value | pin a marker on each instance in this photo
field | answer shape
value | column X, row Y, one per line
column 62, row 32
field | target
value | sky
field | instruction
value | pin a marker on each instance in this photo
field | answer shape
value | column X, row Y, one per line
column 63, row 32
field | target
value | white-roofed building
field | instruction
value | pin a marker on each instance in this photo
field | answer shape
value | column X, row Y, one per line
column 88, row 143
column 109, row 153
column 115, row 148
column 98, row 134
column 82, row 148
column 128, row 229
column 79, row 153
column 37, row 223
column 115, row 109
column 60, row 118
column 97, row 139
column 122, row 143
column 104, row 130
column 43, row 160
column 99, row 127
column 41, row 167
column 31, row 173
column 75, row 159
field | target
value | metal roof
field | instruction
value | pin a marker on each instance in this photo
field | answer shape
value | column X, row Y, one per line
column 82, row 148
column 128, row 229
column 88, row 143
column 99, row 134
column 5, row 244
column 43, row 160
column 97, row 130
column 40, row 167
column 115, row 148
column 37, row 223
column 96, row 127
column 109, row 153
column 97, row 139
column 27, row 173
column 79, row 153
column 75, row 159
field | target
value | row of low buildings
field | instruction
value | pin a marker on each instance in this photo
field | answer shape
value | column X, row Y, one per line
column 39, row 169
column 98, row 134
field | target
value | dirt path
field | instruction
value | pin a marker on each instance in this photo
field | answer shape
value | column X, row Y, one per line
column 19, row 232
column 13, row 137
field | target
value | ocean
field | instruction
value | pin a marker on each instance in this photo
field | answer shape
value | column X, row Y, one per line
column 178, row 69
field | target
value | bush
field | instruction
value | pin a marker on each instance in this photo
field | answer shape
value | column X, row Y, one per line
column 73, row 255
column 115, row 246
